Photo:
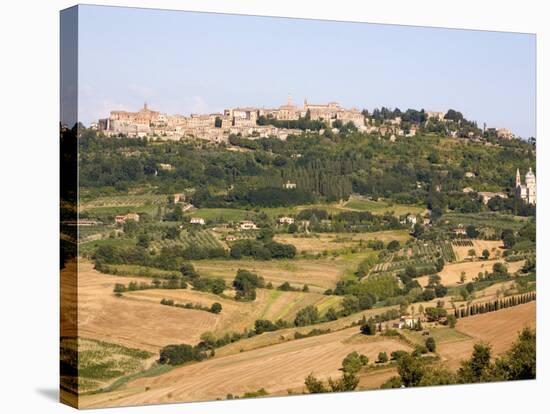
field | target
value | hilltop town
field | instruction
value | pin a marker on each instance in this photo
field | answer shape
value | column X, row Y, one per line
column 287, row 119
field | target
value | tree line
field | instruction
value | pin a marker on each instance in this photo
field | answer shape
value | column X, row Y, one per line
column 216, row 307
column 495, row 305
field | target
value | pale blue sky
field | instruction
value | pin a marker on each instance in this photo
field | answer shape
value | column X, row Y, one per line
column 182, row 62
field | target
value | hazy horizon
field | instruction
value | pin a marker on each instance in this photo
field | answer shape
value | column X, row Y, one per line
column 188, row 62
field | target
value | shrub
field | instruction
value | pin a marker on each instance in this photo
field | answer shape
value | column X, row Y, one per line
column 451, row 321
column 368, row 327
column 216, row 307
column 382, row 358
column 353, row 362
column 307, row 316
column 246, row 283
column 430, row 344
column 395, row 355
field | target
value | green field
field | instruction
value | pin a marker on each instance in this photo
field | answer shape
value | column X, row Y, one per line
column 150, row 209
column 441, row 335
column 355, row 203
column 222, row 214
column 89, row 247
column 380, row 207
column 124, row 201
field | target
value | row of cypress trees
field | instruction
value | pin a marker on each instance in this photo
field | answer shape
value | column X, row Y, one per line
column 491, row 306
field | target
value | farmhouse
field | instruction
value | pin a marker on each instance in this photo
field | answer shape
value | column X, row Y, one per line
column 459, row 230
column 197, row 220
column 406, row 322
column 123, row 218
column 286, row 220
column 289, row 185
column 247, row 225
column 230, row 238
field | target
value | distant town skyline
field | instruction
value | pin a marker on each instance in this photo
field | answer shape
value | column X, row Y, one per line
column 188, row 62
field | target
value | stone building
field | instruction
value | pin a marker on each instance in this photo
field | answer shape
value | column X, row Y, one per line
column 435, row 115
column 352, row 115
column 134, row 123
column 528, row 191
column 322, row 111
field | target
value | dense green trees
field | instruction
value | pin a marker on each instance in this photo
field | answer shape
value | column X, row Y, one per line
column 368, row 327
column 169, row 258
column 327, row 168
column 262, row 249
column 430, row 344
column 353, row 362
column 245, row 284
column 180, row 354
column 435, row 313
column 264, row 325
column 307, row 316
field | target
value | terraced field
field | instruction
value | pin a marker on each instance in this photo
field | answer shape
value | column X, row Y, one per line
column 420, row 254
column 206, row 239
column 124, row 201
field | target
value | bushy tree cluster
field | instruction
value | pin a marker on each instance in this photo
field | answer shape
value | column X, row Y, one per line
column 245, row 283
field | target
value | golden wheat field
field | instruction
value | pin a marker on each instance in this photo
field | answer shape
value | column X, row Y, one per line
column 277, row 369
column 317, row 243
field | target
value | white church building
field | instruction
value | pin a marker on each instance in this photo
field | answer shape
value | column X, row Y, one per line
column 527, row 191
